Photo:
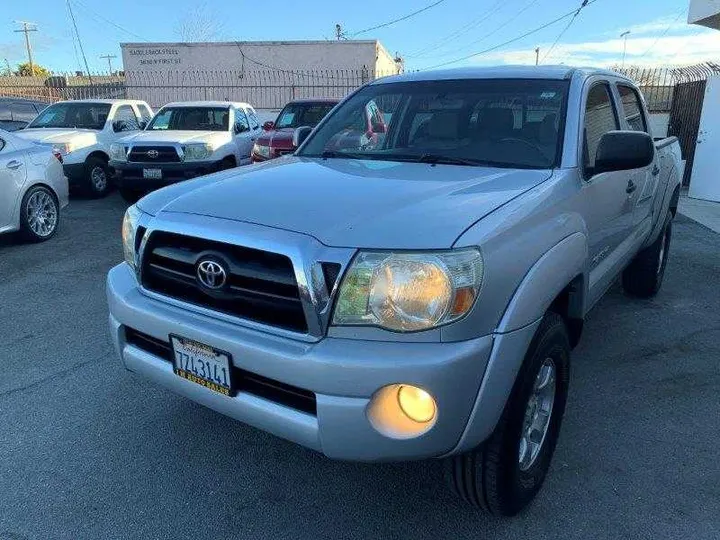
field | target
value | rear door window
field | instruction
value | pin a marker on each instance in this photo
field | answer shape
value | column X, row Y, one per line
column 126, row 114
column 632, row 108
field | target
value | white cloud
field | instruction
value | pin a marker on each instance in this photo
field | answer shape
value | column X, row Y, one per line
column 700, row 46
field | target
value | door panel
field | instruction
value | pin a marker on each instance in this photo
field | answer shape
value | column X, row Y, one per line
column 704, row 183
column 608, row 206
column 12, row 178
column 245, row 140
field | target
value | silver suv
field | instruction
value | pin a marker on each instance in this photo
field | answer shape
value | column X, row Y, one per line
column 409, row 287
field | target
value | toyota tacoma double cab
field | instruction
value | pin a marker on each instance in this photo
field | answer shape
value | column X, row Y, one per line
column 80, row 133
column 184, row 140
column 416, row 295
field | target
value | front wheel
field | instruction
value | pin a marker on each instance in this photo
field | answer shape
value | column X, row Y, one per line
column 97, row 177
column 505, row 473
column 39, row 214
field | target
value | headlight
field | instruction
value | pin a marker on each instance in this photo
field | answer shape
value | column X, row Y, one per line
column 409, row 292
column 197, row 152
column 261, row 150
column 62, row 148
column 129, row 231
column 118, row 152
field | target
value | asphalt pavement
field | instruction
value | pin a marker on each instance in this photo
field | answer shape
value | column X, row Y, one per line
column 88, row 450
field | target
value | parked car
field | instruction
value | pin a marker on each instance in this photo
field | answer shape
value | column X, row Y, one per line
column 82, row 132
column 277, row 137
column 184, row 140
column 17, row 113
column 416, row 295
column 33, row 188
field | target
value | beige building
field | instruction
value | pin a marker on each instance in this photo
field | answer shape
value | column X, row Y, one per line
column 358, row 55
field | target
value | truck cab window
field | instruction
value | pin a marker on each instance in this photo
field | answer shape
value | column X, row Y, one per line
column 632, row 108
column 600, row 118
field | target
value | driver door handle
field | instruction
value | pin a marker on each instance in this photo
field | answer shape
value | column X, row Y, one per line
column 631, row 187
column 14, row 164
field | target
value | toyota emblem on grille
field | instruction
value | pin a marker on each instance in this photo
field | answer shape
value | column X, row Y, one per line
column 153, row 154
column 211, row 274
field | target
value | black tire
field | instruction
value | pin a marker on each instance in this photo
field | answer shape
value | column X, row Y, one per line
column 97, row 177
column 644, row 276
column 131, row 196
column 27, row 230
column 491, row 477
column 227, row 163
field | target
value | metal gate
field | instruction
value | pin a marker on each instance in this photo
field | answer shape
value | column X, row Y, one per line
column 685, row 120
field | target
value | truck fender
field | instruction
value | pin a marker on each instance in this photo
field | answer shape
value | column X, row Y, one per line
column 545, row 281
column 550, row 275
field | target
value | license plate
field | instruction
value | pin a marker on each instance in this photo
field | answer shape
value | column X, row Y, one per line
column 202, row 364
column 153, row 174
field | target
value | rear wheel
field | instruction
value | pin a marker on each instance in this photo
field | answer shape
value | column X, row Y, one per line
column 97, row 179
column 505, row 473
column 39, row 214
column 644, row 276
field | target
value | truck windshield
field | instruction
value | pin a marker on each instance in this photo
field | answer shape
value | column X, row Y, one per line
column 514, row 123
column 191, row 119
column 302, row 114
column 73, row 115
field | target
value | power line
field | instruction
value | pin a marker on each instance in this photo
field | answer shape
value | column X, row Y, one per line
column 462, row 30
column 665, row 32
column 510, row 41
column 498, row 28
column 403, row 18
column 96, row 16
column 82, row 51
column 564, row 30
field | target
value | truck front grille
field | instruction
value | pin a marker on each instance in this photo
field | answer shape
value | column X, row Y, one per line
column 245, row 381
column 260, row 285
column 153, row 154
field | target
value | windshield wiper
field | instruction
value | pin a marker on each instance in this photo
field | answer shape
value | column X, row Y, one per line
column 434, row 159
column 330, row 154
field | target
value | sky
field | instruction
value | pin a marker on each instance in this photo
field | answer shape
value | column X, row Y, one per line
column 443, row 34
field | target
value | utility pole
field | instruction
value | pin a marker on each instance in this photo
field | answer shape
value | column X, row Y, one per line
column 109, row 58
column 9, row 69
column 537, row 56
column 26, row 29
column 339, row 34
column 624, row 35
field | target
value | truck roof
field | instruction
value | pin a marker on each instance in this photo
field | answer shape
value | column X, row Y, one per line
column 499, row 72
column 107, row 101
column 207, row 104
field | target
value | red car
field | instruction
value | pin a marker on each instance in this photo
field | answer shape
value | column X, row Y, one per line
column 276, row 139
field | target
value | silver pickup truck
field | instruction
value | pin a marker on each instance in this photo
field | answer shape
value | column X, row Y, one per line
column 412, row 288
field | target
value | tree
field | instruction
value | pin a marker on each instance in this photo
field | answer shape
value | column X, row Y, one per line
column 23, row 70
column 201, row 24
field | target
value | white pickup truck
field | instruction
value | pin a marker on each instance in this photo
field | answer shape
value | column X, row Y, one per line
column 184, row 140
column 81, row 133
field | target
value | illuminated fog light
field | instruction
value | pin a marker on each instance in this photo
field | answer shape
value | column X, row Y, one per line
column 402, row 411
column 416, row 403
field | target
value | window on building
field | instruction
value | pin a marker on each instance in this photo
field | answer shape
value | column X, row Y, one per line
column 600, row 118
column 632, row 108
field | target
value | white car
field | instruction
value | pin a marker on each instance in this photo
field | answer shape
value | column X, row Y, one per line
column 82, row 131
column 33, row 188
column 184, row 140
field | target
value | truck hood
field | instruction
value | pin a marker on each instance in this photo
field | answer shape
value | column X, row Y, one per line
column 277, row 138
column 352, row 203
column 177, row 136
column 79, row 137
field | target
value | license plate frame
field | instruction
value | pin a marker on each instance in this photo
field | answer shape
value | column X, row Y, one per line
column 152, row 174
column 209, row 358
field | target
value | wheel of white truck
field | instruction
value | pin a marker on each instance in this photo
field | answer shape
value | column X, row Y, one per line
column 39, row 214
column 507, row 471
column 644, row 276
column 97, row 176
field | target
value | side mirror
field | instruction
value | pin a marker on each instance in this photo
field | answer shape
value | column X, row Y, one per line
column 239, row 128
column 119, row 125
column 269, row 125
column 624, row 150
column 300, row 135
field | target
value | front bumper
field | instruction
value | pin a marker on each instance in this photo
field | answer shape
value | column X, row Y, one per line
column 130, row 175
column 342, row 373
